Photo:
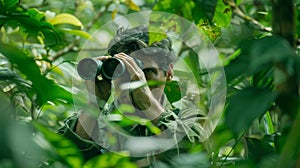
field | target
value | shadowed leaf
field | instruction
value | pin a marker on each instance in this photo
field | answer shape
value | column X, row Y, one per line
column 247, row 105
column 45, row 88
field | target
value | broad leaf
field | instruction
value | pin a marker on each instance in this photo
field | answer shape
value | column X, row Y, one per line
column 7, row 4
column 63, row 149
column 131, row 5
column 36, row 14
column 65, row 18
column 258, row 149
column 77, row 33
column 222, row 14
column 247, row 105
column 208, row 7
column 45, row 89
column 173, row 91
column 268, row 50
column 191, row 160
column 109, row 160
column 258, row 55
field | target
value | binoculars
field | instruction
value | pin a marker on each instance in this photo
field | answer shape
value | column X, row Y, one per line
column 112, row 68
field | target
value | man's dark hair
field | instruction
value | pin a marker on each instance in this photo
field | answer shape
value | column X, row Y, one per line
column 137, row 40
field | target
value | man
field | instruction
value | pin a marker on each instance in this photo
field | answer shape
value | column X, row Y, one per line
column 148, row 102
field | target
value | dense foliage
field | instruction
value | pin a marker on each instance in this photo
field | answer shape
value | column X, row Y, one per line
column 258, row 42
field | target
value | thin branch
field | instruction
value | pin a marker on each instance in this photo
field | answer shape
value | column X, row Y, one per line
column 97, row 16
column 231, row 150
column 71, row 47
column 245, row 17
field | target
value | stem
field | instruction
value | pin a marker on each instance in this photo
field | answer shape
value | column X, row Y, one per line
column 237, row 11
column 231, row 150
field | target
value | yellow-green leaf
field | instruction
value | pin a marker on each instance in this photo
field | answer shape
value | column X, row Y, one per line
column 65, row 18
column 132, row 5
column 77, row 33
column 114, row 13
column 155, row 37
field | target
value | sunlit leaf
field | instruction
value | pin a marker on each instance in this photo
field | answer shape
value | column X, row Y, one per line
column 155, row 37
column 238, row 2
column 109, row 160
column 33, row 24
column 132, row 5
column 65, row 18
column 36, row 14
column 154, row 129
column 222, row 14
column 77, row 33
column 187, row 9
column 65, row 150
column 247, row 105
column 168, row 6
column 114, row 13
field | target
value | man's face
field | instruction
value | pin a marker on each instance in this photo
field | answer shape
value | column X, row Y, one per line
column 153, row 72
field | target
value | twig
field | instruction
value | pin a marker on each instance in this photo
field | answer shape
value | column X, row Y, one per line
column 231, row 150
column 97, row 16
column 71, row 47
column 242, row 15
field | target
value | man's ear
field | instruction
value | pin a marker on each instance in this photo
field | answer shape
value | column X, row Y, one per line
column 170, row 73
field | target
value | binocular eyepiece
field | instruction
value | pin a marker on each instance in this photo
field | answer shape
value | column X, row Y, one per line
column 112, row 68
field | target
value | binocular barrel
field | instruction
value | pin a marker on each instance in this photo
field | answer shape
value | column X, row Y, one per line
column 89, row 68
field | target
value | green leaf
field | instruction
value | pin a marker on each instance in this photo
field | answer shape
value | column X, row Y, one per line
column 131, row 5
column 173, row 91
column 298, row 19
column 258, row 149
column 109, row 160
column 36, row 14
column 65, row 18
column 247, row 105
column 237, row 67
column 208, row 7
column 8, row 4
column 191, row 160
column 155, row 37
column 77, row 33
column 8, row 75
column 193, row 63
column 297, row 67
column 259, row 55
column 222, row 14
column 268, row 50
column 187, row 9
column 65, row 151
column 168, row 6
column 32, row 23
column 238, row 2
column 45, row 89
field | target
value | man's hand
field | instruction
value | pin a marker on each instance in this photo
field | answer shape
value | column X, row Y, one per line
column 142, row 97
